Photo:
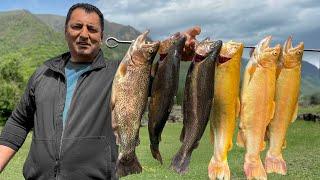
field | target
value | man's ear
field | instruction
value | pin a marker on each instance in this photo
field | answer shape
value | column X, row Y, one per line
column 65, row 33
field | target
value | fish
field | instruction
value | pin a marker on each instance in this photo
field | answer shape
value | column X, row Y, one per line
column 225, row 108
column 197, row 101
column 286, row 99
column 257, row 105
column 128, row 101
column 164, row 88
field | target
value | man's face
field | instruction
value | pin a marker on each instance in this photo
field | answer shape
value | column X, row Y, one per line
column 83, row 35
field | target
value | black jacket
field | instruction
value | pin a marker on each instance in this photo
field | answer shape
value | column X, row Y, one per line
column 85, row 148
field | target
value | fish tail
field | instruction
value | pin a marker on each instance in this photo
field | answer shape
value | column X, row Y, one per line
column 218, row 170
column 180, row 162
column 240, row 139
column 128, row 164
column 155, row 152
column 275, row 164
column 182, row 134
column 254, row 170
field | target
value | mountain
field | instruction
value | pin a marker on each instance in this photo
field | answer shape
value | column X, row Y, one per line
column 110, row 28
column 21, row 29
column 310, row 82
column 36, row 38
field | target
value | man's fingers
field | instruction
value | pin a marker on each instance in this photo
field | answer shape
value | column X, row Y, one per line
column 193, row 32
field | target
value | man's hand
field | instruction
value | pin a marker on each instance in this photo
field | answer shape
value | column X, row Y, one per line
column 189, row 48
column 6, row 154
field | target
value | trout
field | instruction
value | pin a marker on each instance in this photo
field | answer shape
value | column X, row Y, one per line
column 128, row 101
column 164, row 88
column 286, row 99
column 197, row 102
column 225, row 108
column 257, row 105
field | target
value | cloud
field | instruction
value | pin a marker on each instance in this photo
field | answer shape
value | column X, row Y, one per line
column 245, row 21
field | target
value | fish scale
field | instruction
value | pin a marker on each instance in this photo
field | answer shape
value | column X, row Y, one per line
column 164, row 88
column 286, row 99
column 225, row 107
column 128, row 101
column 196, row 103
column 257, row 105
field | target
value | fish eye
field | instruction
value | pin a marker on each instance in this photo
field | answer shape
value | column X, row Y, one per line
column 274, row 53
column 299, row 52
column 150, row 51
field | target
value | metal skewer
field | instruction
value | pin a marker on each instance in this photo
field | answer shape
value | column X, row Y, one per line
column 116, row 42
column 312, row 50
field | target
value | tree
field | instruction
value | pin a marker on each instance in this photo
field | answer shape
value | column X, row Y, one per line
column 11, row 84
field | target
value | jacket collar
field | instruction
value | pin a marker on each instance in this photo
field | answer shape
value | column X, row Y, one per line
column 58, row 63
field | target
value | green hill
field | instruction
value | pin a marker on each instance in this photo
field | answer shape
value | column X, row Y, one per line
column 35, row 38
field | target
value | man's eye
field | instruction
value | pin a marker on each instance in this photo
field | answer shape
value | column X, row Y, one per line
column 77, row 27
column 92, row 29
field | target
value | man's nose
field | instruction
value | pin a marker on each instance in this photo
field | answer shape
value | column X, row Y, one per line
column 84, row 33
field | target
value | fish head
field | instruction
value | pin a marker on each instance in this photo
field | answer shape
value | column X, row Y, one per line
column 212, row 51
column 143, row 52
column 228, row 50
column 264, row 55
column 167, row 43
column 204, row 48
column 291, row 56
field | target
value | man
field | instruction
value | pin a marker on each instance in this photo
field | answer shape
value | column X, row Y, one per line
column 66, row 102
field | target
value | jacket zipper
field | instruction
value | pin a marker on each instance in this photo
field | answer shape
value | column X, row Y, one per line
column 79, row 81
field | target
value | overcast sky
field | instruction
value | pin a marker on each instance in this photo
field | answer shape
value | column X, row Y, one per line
column 239, row 20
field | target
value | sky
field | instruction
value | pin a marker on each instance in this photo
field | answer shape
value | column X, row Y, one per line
column 244, row 21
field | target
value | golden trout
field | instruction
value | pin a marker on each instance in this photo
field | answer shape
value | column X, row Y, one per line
column 286, row 99
column 257, row 105
column 128, row 101
column 197, row 102
column 164, row 88
column 225, row 108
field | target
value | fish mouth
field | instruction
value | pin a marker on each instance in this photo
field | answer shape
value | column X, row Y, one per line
column 203, row 49
column 212, row 51
column 142, row 40
column 264, row 55
column 288, row 48
column 228, row 50
column 291, row 55
column 264, row 44
column 222, row 59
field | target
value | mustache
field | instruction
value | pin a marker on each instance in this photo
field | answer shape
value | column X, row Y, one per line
column 83, row 42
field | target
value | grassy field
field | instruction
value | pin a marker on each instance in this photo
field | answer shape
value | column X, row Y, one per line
column 302, row 156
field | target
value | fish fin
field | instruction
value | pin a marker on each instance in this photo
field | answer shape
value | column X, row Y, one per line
column 284, row 145
column 182, row 134
column 115, row 127
column 180, row 162
column 211, row 134
column 238, row 107
column 251, row 70
column 154, row 69
column 170, row 107
column 122, row 69
column 240, row 139
column 272, row 110
column 267, row 134
column 113, row 98
column 218, row 169
column 295, row 114
column 128, row 164
column 263, row 145
column 278, row 71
